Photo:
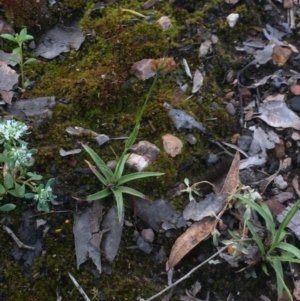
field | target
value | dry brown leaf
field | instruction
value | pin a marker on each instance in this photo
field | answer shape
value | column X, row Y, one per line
column 232, row 178
column 203, row 228
column 190, row 238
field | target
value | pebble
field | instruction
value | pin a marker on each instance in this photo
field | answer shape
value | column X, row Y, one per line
column 244, row 142
column 230, row 109
column 230, row 76
column 212, row 159
column 295, row 103
column 281, row 54
column 165, row 23
column 148, row 235
column 191, row 139
column 279, row 150
column 232, row 19
column 172, row 145
column 295, row 89
column 245, row 93
column 280, row 183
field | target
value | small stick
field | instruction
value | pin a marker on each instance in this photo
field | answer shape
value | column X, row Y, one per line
column 17, row 240
column 188, row 274
column 80, row 289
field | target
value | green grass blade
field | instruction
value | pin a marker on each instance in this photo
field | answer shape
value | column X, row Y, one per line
column 256, row 238
column 133, row 135
column 276, row 265
column 120, row 166
column 286, row 221
column 287, row 259
column 289, row 248
column 96, row 173
column 129, row 190
column 270, row 224
column 108, row 174
column 99, row 195
column 120, row 204
column 138, row 175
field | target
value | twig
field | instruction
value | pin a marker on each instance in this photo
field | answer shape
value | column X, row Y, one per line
column 50, row 212
column 80, row 289
column 17, row 240
column 188, row 274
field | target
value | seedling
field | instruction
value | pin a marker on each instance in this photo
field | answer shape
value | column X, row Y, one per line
column 20, row 39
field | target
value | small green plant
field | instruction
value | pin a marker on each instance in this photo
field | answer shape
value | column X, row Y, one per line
column 20, row 39
column 114, row 181
column 274, row 250
column 16, row 158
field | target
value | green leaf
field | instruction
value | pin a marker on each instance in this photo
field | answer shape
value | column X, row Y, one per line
column 7, row 207
column 120, row 166
column 97, row 174
column 138, row 175
column 3, row 158
column 129, row 190
column 99, row 195
column 265, row 215
column 264, row 268
column 14, row 192
column 285, row 222
column 29, row 195
column 29, row 61
column 2, row 189
column 16, row 50
column 120, row 205
column 288, row 259
column 8, row 181
column 256, row 238
column 34, row 176
column 289, row 248
column 108, row 174
column 23, row 33
column 131, row 139
column 276, row 264
column 13, row 60
column 8, row 36
column 21, row 191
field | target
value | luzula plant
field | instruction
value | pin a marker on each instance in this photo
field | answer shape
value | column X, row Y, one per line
column 16, row 158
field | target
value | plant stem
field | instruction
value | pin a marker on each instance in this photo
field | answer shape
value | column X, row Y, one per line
column 21, row 64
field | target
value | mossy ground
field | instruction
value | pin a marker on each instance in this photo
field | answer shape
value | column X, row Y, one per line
column 103, row 96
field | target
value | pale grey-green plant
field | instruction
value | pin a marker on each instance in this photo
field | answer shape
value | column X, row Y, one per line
column 20, row 39
column 15, row 160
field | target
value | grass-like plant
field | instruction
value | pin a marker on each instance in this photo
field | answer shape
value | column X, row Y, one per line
column 113, row 181
column 277, row 250
column 20, row 39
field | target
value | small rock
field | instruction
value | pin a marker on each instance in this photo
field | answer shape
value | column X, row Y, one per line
column 281, row 54
column 143, row 69
column 232, row 19
column 244, row 142
column 212, row 159
column 230, row 76
column 214, row 39
column 148, row 235
column 280, row 183
column 172, row 145
column 229, row 95
column 230, row 109
column 101, row 139
column 149, row 4
column 205, row 48
column 214, row 106
column 191, row 139
column 295, row 103
column 146, row 149
column 295, row 89
column 165, row 23
column 144, row 245
column 283, row 196
column 286, row 163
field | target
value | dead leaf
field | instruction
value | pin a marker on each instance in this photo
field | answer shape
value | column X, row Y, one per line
column 210, row 206
column 196, row 233
column 87, row 235
column 197, row 82
column 277, row 114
